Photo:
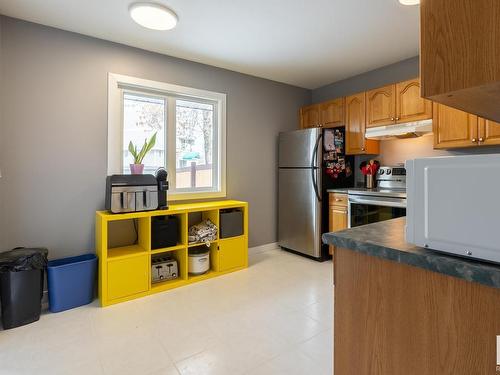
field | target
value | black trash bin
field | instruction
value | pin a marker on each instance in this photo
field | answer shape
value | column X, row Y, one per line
column 21, row 285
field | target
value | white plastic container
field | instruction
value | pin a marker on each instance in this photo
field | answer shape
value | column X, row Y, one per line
column 198, row 261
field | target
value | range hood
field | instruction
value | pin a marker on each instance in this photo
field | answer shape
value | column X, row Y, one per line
column 407, row 130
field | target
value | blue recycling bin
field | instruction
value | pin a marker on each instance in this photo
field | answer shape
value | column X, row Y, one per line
column 71, row 282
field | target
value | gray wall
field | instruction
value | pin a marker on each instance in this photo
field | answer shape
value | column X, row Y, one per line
column 54, row 124
column 399, row 71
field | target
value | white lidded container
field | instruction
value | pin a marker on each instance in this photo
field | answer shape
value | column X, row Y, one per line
column 198, row 260
column 453, row 205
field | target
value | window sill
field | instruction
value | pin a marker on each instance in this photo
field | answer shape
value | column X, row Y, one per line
column 195, row 196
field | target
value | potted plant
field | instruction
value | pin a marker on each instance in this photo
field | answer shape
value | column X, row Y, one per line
column 138, row 167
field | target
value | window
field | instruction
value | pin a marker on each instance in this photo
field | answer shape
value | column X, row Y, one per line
column 190, row 134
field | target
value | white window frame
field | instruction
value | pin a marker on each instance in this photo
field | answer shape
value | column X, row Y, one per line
column 118, row 83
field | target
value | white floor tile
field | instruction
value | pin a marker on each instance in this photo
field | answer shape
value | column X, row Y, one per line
column 273, row 318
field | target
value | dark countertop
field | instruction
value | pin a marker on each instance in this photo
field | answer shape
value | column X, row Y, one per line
column 401, row 193
column 339, row 190
column 386, row 240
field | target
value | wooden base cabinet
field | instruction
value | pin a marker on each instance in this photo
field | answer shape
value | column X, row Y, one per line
column 394, row 319
column 337, row 218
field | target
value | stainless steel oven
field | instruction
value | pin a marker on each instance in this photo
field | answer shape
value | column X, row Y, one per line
column 366, row 209
column 386, row 202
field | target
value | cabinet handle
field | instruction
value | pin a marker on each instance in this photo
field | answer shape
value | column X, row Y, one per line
column 392, row 118
column 474, row 140
column 481, row 139
column 362, row 149
column 397, row 118
column 338, row 200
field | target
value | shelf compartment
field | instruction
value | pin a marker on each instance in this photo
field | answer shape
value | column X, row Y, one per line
column 167, row 249
column 165, row 229
column 180, row 255
column 213, row 256
column 123, row 252
column 166, row 285
column 200, row 216
column 201, row 244
column 128, row 232
column 208, row 275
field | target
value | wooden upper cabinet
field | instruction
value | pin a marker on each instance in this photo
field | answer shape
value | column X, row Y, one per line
column 332, row 113
column 380, row 106
column 489, row 132
column 460, row 54
column 454, row 128
column 410, row 106
column 355, row 125
column 309, row 116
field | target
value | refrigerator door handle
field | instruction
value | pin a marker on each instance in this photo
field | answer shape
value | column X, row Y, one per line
column 314, row 167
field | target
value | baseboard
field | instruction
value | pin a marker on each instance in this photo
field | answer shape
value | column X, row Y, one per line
column 263, row 248
column 251, row 250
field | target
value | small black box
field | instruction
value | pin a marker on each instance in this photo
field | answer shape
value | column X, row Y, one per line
column 164, row 231
column 231, row 223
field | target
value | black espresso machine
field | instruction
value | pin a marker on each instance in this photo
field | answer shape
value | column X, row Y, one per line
column 132, row 193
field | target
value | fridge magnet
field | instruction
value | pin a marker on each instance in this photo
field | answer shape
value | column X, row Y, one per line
column 329, row 140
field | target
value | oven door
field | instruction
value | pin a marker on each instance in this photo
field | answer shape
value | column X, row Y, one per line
column 364, row 210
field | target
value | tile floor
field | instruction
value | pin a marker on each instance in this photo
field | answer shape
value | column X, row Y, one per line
column 273, row 318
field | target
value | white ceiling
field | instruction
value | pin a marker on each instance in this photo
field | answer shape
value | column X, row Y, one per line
column 307, row 43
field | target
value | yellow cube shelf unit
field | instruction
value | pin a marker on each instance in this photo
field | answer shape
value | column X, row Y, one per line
column 125, row 271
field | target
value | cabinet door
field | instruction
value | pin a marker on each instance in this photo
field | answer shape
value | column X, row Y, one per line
column 355, row 124
column 128, row 276
column 410, row 106
column 309, row 116
column 380, row 106
column 332, row 113
column 454, row 128
column 337, row 221
column 489, row 132
column 233, row 253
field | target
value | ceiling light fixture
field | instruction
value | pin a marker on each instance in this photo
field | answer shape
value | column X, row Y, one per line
column 409, row 2
column 153, row 16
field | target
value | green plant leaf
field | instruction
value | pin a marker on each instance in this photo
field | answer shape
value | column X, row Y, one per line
column 133, row 150
column 146, row 148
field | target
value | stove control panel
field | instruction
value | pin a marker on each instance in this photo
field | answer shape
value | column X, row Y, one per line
column 392, row 177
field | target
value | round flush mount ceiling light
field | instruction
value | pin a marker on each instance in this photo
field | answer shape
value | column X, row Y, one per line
column 409, row 2
column 153, row 16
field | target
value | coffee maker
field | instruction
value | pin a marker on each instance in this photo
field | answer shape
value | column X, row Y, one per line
column 161, row 178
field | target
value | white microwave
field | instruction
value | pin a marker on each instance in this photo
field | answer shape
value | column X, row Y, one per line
column 453, row 205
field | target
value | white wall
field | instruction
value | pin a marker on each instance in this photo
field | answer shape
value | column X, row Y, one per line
column 54, row 126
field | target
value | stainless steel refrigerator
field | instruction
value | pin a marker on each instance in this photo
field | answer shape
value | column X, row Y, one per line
column 309, row 163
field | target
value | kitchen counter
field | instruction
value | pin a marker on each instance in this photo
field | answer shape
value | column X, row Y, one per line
column 396, row 193
column 339, row 190
column 386, row 240
column 403, row 309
